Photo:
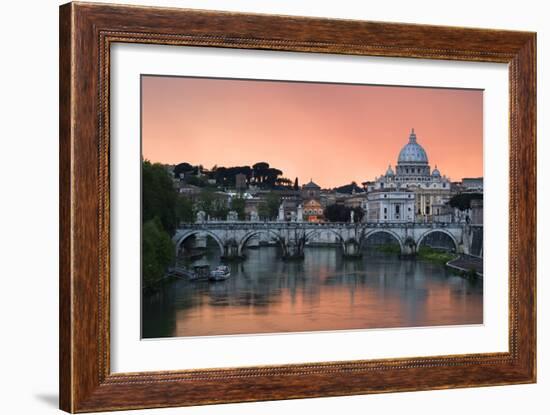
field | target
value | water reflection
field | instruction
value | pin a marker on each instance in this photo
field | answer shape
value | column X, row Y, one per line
column 323, row 292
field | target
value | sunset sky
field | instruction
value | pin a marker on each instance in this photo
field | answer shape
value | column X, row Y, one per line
column 332, row 133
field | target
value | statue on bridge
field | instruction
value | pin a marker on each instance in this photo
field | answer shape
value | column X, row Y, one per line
column 254, row 216
column 281, row 216
column 300, row 213
column 200, row 217
column 232, row 216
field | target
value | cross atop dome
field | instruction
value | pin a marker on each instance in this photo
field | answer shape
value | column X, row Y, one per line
column 412, row 136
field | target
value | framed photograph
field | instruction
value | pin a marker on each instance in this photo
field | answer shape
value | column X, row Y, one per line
column 259, row 207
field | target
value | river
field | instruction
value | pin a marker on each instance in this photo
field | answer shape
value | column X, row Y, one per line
column 323, row 292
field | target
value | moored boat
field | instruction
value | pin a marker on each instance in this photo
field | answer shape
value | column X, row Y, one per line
column 201, row 272
column 220, row 273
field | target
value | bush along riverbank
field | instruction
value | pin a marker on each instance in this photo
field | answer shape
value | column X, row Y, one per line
column 446, row 258
column 424, row 252
column 435, row 255
column 389, row 249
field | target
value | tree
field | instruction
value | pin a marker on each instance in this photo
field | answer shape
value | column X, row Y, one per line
column 183, row 168
column 157, row 251
column 184, row 209
column 220, row 212
column 296, row 186
column 158, row 196
column 206, row 202
column 358, row 214
column 341, row 213
column 197, row 181
column 260, row 170
column 269, row 207
column 462, row 200
column 283, row 182
column 336, row 213
column 349, row 188
column 238, row 204
column 270, row 177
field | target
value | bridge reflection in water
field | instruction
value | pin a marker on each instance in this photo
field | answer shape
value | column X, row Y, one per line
column 324, row 291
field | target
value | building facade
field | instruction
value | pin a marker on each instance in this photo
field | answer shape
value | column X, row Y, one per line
column 473, row 184
column 313, row 211
column 413, row 173
column 311, row 191
column 389, row 206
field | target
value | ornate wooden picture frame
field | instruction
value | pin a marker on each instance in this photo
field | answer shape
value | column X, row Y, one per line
column 87, row 32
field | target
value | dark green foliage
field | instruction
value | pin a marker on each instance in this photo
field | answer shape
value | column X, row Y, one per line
column 269, row 208
column 184, row 209
column 392, row 248
column 435, row 255
column 158, row 196
column 220, row 212
column 161, row 210
column 349, row 189
column 264, row 175
column 206, row 201
column 157, row 251
column 341, row 213
column 197, row 181
column 237, row 204
column 260, row 174
column 183, row 168
column 212, row 204
column 283, row 182
column 462, row 200
column 358, row 215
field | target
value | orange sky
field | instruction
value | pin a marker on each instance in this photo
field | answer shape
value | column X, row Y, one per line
column 333, row 133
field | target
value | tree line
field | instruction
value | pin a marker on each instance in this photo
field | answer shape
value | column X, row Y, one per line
column 260, row 174
column 340, row 213
column 162, row 209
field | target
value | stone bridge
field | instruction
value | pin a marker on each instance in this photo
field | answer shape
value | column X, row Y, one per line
column 233, row 237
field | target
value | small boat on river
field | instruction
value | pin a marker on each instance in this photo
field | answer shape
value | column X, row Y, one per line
column 200, row 272
column 220, row 273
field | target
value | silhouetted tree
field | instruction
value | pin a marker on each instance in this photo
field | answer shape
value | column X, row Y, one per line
column 183, row 168
column 157, row 251
column 341, row 213
column 158, row 196
column 462, row 200
column 349, row 188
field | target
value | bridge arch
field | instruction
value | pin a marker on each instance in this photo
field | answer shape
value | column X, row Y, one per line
column 245, row 238
column 339, row 237
column 438, row 230
column 366, row 235
column 190, row 233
